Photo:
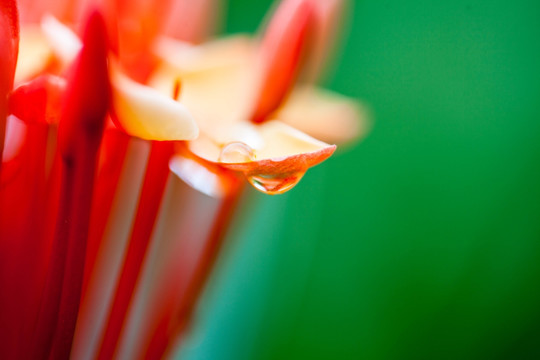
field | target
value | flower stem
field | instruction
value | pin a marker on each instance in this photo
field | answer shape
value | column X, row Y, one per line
column 80, row 132
column 157, row 172
column 48, row 314
column 82, row 176
column 112, row 155
column 167, row 329
column 21, row 253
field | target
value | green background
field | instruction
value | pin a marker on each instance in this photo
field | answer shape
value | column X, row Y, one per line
column 422, row 241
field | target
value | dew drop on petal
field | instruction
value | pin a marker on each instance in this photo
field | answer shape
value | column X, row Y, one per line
column 236, row 152
column 275, row 184
column 272, row 184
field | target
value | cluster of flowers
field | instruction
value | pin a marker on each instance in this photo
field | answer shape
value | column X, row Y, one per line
column 124, row 149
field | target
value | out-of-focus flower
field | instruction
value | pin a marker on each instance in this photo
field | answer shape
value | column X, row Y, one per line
column 122, row 154
column 242, row 92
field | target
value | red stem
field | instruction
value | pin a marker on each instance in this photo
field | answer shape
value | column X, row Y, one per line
column 21, row 209
column 80, row 132
column 76, row 223
column 112, row 155
column 153, row 188
column 166, row 329
column 48, row 314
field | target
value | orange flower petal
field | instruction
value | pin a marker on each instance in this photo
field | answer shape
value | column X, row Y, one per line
column 273, row 156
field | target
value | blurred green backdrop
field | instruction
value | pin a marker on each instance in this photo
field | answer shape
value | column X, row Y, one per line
column 421, row 242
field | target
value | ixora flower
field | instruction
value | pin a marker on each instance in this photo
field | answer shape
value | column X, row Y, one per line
column 124, row 149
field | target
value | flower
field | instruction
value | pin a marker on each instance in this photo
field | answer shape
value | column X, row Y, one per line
column 122, row 154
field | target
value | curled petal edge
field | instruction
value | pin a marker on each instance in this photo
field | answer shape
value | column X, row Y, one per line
column 271, row 149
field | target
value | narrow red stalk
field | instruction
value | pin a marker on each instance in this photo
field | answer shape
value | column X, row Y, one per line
column 52, row 196
column 79, row 136
column 195, row 194
column 157, row 172
column 25, row 211
column 112, row 155
column 174, row 325
column 52, row 262
column 21, row 206
column 48, row 314
column 35, row 249
column 81, row 175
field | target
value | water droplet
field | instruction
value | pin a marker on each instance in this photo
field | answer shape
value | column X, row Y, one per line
column 236, row 152
column 275, row 184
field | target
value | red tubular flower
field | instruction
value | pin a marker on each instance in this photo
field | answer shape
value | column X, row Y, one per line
column 80, row 130
column 124, row 160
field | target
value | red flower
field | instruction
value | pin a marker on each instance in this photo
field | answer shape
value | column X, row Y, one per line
column 119, row 173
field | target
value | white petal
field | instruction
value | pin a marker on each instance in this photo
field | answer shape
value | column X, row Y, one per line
column 64, row 42
column 34, row 53
column 146, row 113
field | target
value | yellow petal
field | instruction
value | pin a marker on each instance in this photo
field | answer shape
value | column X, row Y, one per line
column 186, row 58
column 35, row 53
column 324, row 115
column 145, row 113
column 215, row 79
